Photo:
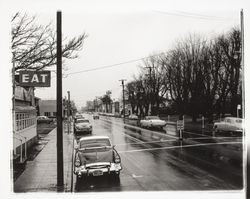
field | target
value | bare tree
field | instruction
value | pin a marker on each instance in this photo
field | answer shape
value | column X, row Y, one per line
column 231, row 44
column 199, row 76
column 34, row 46
column 154, row 83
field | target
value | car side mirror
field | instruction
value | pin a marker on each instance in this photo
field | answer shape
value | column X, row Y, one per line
column 113, row 146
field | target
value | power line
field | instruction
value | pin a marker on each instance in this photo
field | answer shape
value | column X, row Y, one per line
column 190, row 15
column 112, row 65
column 104, row 67
column 205, row 16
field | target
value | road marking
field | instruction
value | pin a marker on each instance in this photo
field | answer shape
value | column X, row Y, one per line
column 135, row 176
column 201, row 138
column 161, row 141
column 188, row 132
column 176, row 147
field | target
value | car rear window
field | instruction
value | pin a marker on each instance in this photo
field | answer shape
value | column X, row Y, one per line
column 82, row 121
column 94, row 143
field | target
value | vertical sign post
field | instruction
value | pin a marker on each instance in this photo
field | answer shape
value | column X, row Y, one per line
column 123, row 97
column 69, row 112
column 203, row 122
column 59, row 144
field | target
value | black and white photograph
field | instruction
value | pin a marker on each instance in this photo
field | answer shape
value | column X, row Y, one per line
column 110, row 99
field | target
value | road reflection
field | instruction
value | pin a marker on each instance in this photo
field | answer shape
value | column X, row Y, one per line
column 100, row 183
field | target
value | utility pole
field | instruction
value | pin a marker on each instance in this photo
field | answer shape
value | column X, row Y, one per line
column 123, row 96
column 59, row 144
column 150, row 84
column 245, row 161
column 242, row 62
column 68, row 112
column 96, row 104
column 13, row 98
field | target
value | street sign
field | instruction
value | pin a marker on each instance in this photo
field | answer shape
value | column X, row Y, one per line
column 34, row 78
column 238, row 106
column 180, row 125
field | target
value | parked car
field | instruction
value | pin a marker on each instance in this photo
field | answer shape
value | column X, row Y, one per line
column 133, row 117
column 229, row 124
column 152, row 121
column 44, row 119
column 82, row 125
column 96, row 116
column 78, row 116
column 95, row 156
column 117, row 114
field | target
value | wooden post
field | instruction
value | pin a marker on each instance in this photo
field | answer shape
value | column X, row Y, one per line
column 60, row 173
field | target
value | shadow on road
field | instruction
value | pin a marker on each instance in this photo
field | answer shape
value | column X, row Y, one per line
column 100, row 183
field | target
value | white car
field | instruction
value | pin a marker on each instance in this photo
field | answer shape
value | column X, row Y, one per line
column 44, row 119
column 133, row 117
column 95, row 156
column 152, row 121
column 229, row 124
column 82, row 126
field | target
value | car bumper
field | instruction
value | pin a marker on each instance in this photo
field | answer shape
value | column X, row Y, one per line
column 83, row 130
column 102, row 170
column 158, row 125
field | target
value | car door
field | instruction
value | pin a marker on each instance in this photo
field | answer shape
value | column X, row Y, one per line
column 228, row 125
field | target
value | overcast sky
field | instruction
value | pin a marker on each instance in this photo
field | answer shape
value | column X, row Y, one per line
column 123, row 33
column 116, row 37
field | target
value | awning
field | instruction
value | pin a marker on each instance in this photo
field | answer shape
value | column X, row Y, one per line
column 25, row 109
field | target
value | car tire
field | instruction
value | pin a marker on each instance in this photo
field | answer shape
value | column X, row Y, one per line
column 115, row 176
column 215, row 129
column 79, row 179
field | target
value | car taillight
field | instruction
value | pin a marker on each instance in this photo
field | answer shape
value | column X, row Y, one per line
column 77, row 161
column 117, row 158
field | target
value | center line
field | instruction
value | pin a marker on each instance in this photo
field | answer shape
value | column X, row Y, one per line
column 176, row 147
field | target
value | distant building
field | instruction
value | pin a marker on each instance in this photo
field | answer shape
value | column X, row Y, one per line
column 47, row 108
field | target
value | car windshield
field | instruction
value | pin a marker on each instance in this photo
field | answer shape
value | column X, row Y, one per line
column 94, row 143
column 42, row 117
column 82, row 121
column 152, row 118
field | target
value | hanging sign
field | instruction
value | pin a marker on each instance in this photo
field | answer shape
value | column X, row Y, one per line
column 34, row 78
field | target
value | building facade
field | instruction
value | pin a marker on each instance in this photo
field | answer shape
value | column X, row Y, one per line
column 24, row 122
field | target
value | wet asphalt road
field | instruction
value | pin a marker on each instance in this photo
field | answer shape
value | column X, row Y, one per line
column 160, row 161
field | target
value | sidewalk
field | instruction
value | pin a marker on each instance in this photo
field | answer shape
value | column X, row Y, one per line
column 40, row 175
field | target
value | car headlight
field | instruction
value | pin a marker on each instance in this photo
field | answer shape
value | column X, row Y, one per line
column 77, row 161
